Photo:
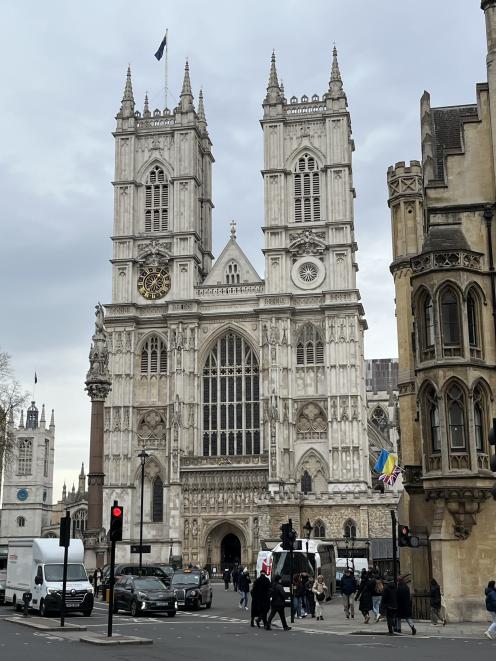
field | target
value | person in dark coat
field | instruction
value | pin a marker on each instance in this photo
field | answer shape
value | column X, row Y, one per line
column 95, row 582
column 235, row 577
column 277, row 604
column 389, row 604
column 309, row 595
column 260, row 600
column 404, row 605
column 490, row 593
column 435, row 596
column 244, row 581
column 364, row 594
column 226, row 577
column 348, row 588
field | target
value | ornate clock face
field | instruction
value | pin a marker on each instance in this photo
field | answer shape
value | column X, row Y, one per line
column 22, row 495
column 153, row 282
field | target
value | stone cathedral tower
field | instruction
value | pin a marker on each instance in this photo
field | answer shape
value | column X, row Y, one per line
column 247, row 394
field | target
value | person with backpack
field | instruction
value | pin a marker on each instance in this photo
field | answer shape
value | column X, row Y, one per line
column 348, row 588
column 491, row 608
column 364, row 594
column 377, row 590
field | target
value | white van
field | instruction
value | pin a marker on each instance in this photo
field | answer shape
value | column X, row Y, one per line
column 36, row 566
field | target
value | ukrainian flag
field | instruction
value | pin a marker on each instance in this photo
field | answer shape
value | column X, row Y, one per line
column 385, row 463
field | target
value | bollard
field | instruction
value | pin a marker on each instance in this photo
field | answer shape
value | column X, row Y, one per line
column 26, row 598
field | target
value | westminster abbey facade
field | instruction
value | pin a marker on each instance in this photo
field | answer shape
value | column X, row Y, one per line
column 247, row 393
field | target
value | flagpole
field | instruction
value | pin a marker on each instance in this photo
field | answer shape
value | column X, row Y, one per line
column 166, row 64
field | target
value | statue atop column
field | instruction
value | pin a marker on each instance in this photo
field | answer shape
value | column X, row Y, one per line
column 98, row 382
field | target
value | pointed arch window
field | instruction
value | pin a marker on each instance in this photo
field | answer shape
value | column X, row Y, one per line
column 450, row 323
column 21, row 522
column 479, row 403
column 153, row 357
column 156, row 201
column 350, row 529
column 232, row 274
column 473, row 320
column 79, row 522
column 319, row 531
column 231, row 408
column 433, row 427
column 309, row 347
column 380, row 417
column 157, row 500
column 306, row 181
column 306, row 482
column 427, row 328
column 25, row 457
column 455, row 402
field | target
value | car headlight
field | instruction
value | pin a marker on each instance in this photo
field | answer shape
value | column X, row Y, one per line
column 193, row 593
column 142, row 596
column 89, row 590
column 52, row 591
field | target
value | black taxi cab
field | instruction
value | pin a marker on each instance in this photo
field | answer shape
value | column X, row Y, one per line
column 192, row 588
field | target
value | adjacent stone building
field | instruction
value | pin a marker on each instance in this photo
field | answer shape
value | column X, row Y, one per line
column 248, row 394
column 442, row 215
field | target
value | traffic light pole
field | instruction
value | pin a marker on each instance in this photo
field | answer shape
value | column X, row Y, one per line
column 65, row 540
column 111, row 589
column 64, row 587
column 394, row 528
column 291, row 579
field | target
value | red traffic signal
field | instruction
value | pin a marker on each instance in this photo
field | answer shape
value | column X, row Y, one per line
column 116, row 518
column 403, row 536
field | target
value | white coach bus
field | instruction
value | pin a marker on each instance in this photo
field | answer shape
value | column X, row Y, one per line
column 320, row 559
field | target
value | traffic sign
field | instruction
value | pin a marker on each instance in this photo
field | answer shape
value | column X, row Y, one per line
column 145, row 548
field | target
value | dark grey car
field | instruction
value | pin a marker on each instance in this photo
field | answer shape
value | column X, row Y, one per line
column 141, row 594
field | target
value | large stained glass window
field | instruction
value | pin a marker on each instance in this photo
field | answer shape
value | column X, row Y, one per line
column 231, row 413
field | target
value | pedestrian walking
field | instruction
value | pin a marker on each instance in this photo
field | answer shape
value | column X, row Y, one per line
column 244, row 588
column 277, row 604
column 377, row 590
column 404, row 601
column 364, row 596
column 491, row 608
column 260, row 600
column 95, row 582
column 235, row 577
column 389, row 604
column 309, row 595
column 299, row 596
column 348, row 588
column 320, row 590
column 435, row 597
column 226, row 577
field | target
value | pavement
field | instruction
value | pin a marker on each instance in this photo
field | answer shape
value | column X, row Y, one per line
column 224, row 631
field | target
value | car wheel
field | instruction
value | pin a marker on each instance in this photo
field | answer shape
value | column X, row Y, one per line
column 208, row 604
column 134, row 608
column 171, row 613
column 196, row 605
column 43, row 610
column 87, row 613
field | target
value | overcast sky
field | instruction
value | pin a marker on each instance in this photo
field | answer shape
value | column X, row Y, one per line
column 62, row 80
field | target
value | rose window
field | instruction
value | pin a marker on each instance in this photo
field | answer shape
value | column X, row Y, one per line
column 308, row 272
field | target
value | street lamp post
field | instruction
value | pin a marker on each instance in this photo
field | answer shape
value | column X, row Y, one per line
column 143, row 456
column 308, row 532
column 353, row 554
column 346, row 541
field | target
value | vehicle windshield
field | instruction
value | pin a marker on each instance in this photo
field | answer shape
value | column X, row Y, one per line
column 148, row 584
column 74, row 573
column 281, row 565
column 180, row 578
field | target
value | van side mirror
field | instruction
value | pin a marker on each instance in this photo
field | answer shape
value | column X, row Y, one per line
column 38, row 580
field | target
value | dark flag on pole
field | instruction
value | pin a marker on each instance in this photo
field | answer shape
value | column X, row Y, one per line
column 160, row 50
column 35, row 378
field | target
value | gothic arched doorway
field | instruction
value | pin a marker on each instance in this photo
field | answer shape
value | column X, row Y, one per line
column 230, row 551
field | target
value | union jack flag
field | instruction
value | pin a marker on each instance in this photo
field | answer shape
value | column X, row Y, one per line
column 391, row 479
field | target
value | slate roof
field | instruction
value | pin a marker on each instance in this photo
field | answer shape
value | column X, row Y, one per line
column 448, row 236
column 447, row 132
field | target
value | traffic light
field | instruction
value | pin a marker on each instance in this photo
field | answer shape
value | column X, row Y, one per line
column 65, row 530
column 492, row 441
column 403, row 536
column 116, row 518
column 288, row 536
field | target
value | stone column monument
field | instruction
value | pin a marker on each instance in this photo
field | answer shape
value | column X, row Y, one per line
column 98, row 386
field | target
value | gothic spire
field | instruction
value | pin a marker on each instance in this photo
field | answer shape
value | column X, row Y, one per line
column 335, row 83
column 21, row 421
column 127, row 106
column 146, row 109
column 42, row 419
column 202, row 120
column 186, row 97
column 274, row 94
column 81, row 474
column 52, row 419
column 11, row 417
column 64, row 491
